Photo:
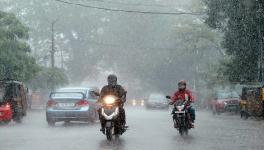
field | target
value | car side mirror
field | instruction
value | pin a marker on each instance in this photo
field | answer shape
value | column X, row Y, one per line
column 96, row 93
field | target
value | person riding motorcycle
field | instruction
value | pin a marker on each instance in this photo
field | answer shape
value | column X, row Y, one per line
column 184, row 94
column 117, row 90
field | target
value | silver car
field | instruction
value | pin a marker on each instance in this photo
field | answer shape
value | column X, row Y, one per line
column 157, row 101
column 72, row 104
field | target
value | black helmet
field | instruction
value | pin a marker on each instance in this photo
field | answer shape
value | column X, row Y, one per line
column 182, row 85
column 112, row 80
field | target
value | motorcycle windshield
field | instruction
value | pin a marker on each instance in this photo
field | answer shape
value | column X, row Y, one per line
column 179, row 103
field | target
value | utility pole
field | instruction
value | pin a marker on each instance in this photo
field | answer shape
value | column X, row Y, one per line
column 52, row 52
column 62, row 60
column 52, row 44
column 260, row 37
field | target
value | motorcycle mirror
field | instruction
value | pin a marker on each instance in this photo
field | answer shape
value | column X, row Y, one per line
column 168, row 97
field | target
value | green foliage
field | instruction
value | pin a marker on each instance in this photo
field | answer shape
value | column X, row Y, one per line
column 146, row 51
column 15, row 61
column 242, row 22
column 49, row 78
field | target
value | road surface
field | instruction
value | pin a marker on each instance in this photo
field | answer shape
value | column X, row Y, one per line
column 149, row 130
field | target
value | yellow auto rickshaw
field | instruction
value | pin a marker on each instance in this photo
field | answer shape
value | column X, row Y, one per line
column 251, row 103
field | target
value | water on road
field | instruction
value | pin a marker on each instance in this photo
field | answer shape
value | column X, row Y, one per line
column 148, row 129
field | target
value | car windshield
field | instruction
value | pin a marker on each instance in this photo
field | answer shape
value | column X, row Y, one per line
column 157, row 98
column 227, row 95
column 67, row 96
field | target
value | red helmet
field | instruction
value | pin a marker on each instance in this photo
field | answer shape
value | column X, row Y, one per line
column 182, row 85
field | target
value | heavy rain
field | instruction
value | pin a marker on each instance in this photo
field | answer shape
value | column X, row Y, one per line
column 131, row 74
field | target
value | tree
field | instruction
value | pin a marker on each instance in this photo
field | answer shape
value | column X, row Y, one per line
column 242, row 24
column 15, row 60
column 49, row 79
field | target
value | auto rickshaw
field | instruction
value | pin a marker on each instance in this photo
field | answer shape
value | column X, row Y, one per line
column 251, row 103
column 13, row 102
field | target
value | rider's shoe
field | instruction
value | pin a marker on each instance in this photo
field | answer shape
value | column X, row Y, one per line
column 102, row 130
column 176, row 126
column 192, row 125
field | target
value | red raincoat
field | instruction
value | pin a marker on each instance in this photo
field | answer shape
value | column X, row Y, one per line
column 180, row 95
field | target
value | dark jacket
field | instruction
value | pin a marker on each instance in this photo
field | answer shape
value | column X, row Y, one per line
column 117, row 91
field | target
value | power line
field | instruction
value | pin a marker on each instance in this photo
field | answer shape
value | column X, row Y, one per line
column 131, row 11
column 128, row 4
column 125, row 46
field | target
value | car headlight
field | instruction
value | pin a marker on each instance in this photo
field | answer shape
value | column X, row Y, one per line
column 225, row 103
column 109, row 100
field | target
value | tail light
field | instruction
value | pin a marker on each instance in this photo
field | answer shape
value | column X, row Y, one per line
column 7, row 106
column 82, row 103
column 51, row 103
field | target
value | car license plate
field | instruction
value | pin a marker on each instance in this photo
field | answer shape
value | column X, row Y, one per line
column 66, row 105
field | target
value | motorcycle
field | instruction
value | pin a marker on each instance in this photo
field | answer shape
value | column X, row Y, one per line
column 181, row 116
column 110, row 112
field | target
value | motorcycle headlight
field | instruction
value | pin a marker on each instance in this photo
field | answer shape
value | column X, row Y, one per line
column 109, row 100
column 180, row 108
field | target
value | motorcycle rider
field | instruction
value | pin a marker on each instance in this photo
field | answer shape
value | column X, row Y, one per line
column 184, row 94
column 116, row 90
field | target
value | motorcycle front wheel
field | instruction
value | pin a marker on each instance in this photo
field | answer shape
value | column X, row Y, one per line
column 181, row 131
column 108, row 134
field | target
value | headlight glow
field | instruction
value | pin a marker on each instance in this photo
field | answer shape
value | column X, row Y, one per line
column 109, row 100
column 180, row 108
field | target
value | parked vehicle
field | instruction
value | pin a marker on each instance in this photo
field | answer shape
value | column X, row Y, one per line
column 252, row 102
column 181, row 116
column 13, row 102
column 225, row 101
column 157, row 101
column 69, row 106
column 110, row 113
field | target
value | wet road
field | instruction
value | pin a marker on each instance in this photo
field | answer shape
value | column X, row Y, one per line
column 148, row 130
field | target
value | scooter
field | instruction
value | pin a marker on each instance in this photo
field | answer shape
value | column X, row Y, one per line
column 110, row 113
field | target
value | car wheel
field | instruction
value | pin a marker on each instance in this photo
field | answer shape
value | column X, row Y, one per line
column 67, row 122
column 218, row 112
column 18, row 118
column 92, row 116
column 244, row 115
column 6, row 122
column 51, row 122
column 214, row 110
